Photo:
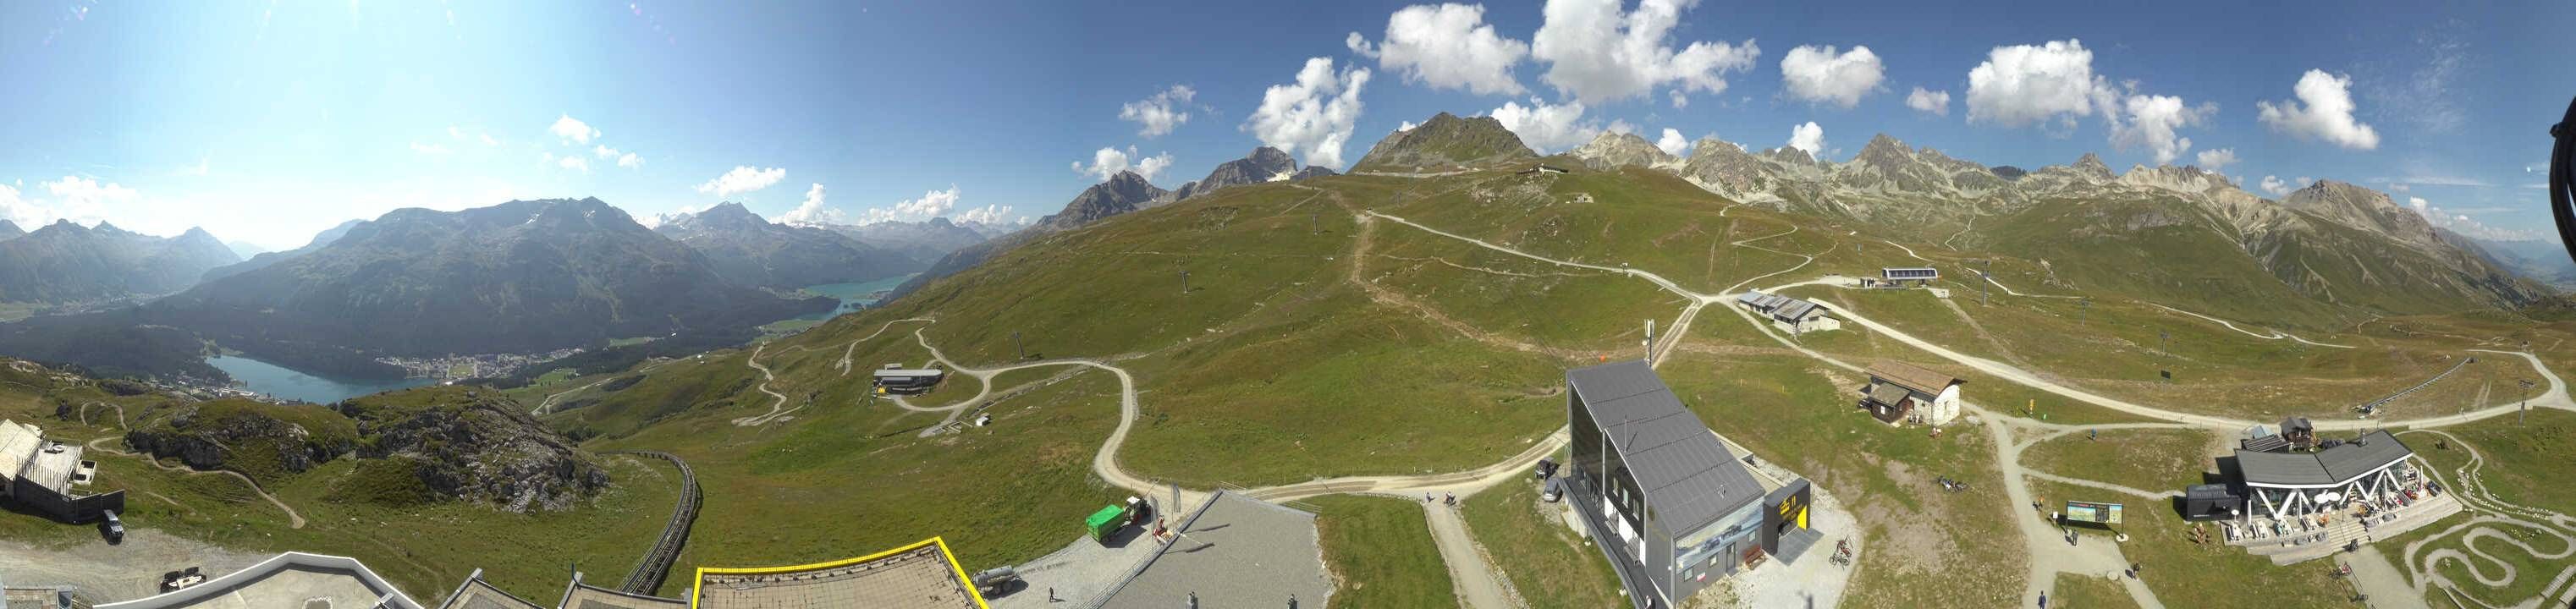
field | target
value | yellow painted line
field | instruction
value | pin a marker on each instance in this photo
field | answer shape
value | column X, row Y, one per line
column 697, row 585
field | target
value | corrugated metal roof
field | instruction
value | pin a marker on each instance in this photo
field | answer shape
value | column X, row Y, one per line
column 1795, row 310
column 2329, row 466
column 18, row 445
column 1887, row 393
column 1911, row 376
column 1687, row 475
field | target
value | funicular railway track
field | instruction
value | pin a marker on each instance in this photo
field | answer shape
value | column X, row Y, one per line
column 648, row 574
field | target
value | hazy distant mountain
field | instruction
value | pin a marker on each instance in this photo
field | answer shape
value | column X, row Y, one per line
column 2538, row 260
column 245, row 249
column 748, row 250
column 263, row 260
column 9, row 230
column 67, row 263
column 924, row 241
column 519, row 277
column 1443, row 143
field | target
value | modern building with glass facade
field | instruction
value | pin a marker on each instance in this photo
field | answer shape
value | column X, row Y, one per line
column 1667, row 503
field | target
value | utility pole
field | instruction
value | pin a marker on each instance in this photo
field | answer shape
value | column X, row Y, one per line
column 2083, row 308
column 2525, row 411
column 1023, row 350
column 1318, row 218
column 1185, row 282
column 1650, row 341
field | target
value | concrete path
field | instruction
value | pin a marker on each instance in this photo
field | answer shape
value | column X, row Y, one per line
column 2274, row 334
column 2387, row 587
column 2048, row 551
column 1478, row 584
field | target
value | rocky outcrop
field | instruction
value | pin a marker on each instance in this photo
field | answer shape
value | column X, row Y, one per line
column 263, row 441
column 478, row 446
column 1265, row 164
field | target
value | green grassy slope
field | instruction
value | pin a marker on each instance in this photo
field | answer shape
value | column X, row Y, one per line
column 1381, row 550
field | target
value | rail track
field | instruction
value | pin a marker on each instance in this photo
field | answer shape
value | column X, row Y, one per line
column 648, row 575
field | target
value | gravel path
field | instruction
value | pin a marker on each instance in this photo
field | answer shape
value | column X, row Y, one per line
column 115, row 573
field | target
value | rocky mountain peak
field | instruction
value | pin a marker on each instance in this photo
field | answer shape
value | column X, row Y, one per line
column 1447, row 141
column 10, row 230
column 2091, row 164
column 1610, row 150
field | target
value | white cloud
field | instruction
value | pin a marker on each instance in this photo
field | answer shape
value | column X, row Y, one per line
column 2397, row 187
column 2152, row 122
column 487, row 139
column 1160, row 113
column 2217, row 159
column 1312, row 116
column 1107, row 162
column 1448, row 46
column 1672, row 143
column 989, row 214
column 78, row 199
column 1817, row 74
column 2326, row 115
column 573, row 130
column 2275, row 186
column 1598, row 53
column 630, row 160
column 428, row 149
column 2024, row 84
column 742, row 179
column 1547, row 128
column 604, row 151
column 2461, row 223
column 1808, row 137
column 932, row 204
column 811, row 212
column 454, row 132
column 573, row 163
column 1407, row 126
column 1936, row 102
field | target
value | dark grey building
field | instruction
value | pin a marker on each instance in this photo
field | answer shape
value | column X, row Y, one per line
column 1665, row 501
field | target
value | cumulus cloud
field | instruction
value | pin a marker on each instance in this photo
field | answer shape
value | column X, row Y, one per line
column 989, row 214
column 1598, row 53
column 573, row 130
column 742, row 179
column 2152, row 121
column 931, row 205
column 1808, row 137
column 1407, row 126
column 1936, row 102
column 1817, row 74
column 2279, row 188
column 630, row 160
column 1107, row 162
column 1160, row 113
column 1673, row 143
column 573, row 163
column 2322, row 112
column 2218, row 159
column 1448, row 46
column 811, row 212
column 1312, row 116
column 78, row 199
column 604, row 151
column 1548, row 128
column 428, row 149
column 2024, row 84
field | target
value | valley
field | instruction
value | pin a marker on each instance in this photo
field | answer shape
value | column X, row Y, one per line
column 1340, row 343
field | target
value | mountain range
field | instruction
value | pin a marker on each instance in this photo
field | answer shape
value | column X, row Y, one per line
column 1123, row 193
column 67, row 263
column 2150, row 229
column 749, row 250
column 923, row 241
column 1445, row 142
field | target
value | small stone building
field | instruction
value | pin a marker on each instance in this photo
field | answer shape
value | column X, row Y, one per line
column 1899, row 392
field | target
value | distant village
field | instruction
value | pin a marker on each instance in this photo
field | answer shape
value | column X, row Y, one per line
column 456, row 367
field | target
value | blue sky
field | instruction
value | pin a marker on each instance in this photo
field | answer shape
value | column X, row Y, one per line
column 268, row 121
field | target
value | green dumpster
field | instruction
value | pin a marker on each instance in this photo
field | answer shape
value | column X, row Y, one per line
column 1104, row 522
